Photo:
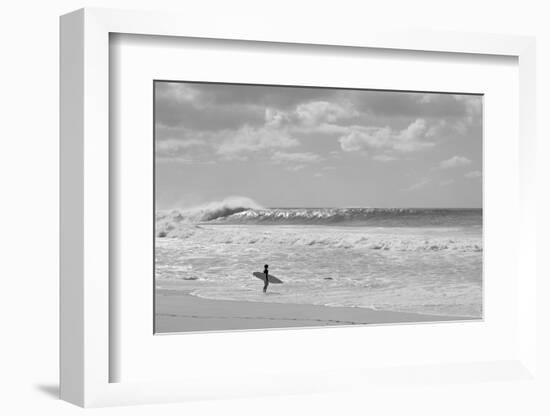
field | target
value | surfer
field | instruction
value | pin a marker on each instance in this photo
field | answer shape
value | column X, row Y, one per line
column 266, row 277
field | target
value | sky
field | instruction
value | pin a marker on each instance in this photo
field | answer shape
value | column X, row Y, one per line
column 316, row 147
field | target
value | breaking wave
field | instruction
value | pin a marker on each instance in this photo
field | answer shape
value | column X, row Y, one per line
column 202, row 224
column 242, row 210
column 396, row 217
column 167, row 220
column 367, row 240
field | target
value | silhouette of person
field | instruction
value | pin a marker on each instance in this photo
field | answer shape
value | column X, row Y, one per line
column 266, row 272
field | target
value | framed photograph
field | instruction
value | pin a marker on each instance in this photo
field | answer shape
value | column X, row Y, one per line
column 317, row 200
column 367, row 204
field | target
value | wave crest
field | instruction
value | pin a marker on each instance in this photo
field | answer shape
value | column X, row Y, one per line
column 168, row 220
column 216, row 237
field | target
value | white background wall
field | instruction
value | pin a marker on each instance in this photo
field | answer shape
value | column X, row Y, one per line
column 29, row 58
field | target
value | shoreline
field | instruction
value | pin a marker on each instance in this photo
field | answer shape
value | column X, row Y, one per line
column 179, row 311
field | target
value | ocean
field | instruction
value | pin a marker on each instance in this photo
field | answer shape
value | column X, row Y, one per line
column 426, row 261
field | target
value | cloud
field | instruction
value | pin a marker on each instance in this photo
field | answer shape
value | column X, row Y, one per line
column 228, row 144
column 192, row 115
column 294, row 168
column 236, row 144
column 185, row 105
column 318, row 112
column 473, row 174
column 454, row 162
column 472, row 103
column 275, row 118
column 384, row 158
column 472, row 108
column 305, row 157
column 312, row 118
column 180, row 151
column 418, row 185
column 327, row 111
column 415, row 105
column 176, row 91
column 360, row 138
column 295, row 161
column 171, row 146
column 448, row 114
column 409, row 139
column 261, row 95
column 196, row 121
column 174, row 159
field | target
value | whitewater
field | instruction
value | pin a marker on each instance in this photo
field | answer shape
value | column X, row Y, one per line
column 398, row 259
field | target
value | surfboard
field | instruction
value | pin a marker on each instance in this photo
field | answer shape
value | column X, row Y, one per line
column 271, row 278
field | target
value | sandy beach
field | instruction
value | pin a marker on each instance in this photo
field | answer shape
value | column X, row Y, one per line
column 178, row 311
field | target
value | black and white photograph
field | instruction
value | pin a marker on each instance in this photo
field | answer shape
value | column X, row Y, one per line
column 291, row 208
column 288, row 206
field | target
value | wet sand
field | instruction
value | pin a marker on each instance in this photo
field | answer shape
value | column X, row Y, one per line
column 178, row 311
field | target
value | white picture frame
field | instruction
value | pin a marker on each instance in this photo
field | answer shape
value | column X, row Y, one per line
column 86, row 333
